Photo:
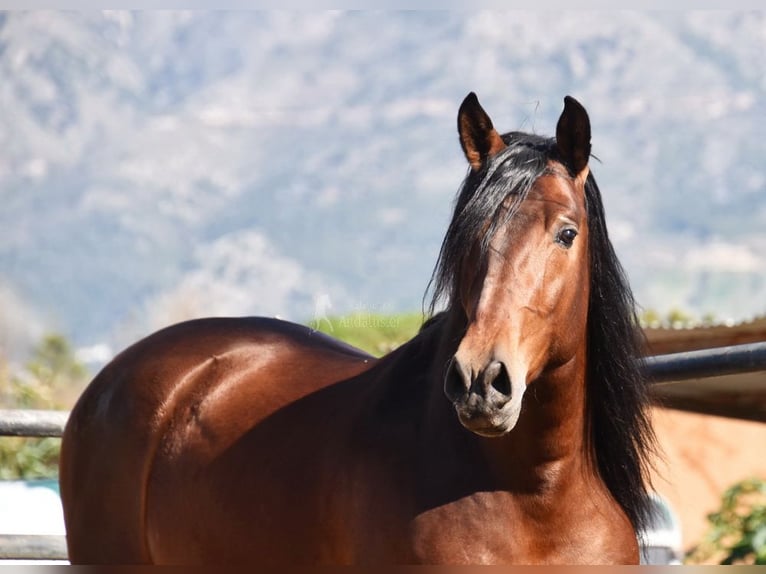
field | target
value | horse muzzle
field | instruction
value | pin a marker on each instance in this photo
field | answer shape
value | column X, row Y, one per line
column 488, row 403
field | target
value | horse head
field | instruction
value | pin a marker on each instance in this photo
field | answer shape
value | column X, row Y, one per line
column 521, row 273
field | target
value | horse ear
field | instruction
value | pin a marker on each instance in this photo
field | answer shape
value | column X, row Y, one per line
column 573, row 135
column 478, row 137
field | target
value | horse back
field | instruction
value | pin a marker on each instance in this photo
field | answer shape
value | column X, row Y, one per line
column 194, row 387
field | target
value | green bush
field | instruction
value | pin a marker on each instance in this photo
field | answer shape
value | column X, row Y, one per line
column 377, row 334
column 738, row 529
column 51, row 373
column 29, row 458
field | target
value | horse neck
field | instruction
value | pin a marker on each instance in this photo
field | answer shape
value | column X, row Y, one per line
column 549, row 441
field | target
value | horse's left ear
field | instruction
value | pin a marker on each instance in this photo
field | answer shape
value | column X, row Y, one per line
column 573, row 136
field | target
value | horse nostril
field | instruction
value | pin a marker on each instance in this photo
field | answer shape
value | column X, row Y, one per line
column 496, row 376
column 456, row 383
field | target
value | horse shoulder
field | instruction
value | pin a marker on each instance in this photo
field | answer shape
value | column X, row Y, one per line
column 185, row 394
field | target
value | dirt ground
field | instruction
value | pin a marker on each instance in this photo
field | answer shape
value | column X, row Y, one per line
column 703, row 456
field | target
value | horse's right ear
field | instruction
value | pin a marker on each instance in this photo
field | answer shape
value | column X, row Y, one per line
column 573, row 136
column 478, row 137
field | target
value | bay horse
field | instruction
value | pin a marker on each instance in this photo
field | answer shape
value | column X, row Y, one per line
column 511, row 429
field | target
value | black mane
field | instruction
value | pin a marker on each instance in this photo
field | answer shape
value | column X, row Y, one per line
column 619, row 431
column 617, row 394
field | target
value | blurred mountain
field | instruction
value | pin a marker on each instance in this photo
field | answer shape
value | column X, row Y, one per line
column 161, row 165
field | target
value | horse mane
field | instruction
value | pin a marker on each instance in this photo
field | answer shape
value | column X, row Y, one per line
column 617, row 394
column 618, row 428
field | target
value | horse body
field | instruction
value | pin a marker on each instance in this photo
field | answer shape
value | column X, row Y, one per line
column 481, row 440
column 196, row 449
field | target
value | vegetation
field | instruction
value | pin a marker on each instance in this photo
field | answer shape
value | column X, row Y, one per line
column 737, row 533
column 48, row 381
column 377, row 334
column 675, row 319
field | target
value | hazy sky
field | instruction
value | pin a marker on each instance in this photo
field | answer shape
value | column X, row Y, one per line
column 212, row 162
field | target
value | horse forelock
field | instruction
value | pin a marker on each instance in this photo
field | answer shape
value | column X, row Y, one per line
column 481, row 208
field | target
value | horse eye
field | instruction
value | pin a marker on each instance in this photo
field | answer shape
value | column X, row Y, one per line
column 566, row 237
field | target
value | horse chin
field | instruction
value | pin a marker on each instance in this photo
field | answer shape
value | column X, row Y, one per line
column 488, row 423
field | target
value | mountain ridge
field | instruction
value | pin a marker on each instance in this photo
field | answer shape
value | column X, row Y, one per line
column 250, row 162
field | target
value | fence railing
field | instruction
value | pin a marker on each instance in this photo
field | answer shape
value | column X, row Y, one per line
column 32, row 547
column 32, row 423
column 725, row 381
column 661, row 369
column 705, row 363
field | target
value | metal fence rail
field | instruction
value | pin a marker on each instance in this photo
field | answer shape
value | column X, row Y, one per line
column 726, row 381
column 32, row 547
column 749, row 358
column 32, row 423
